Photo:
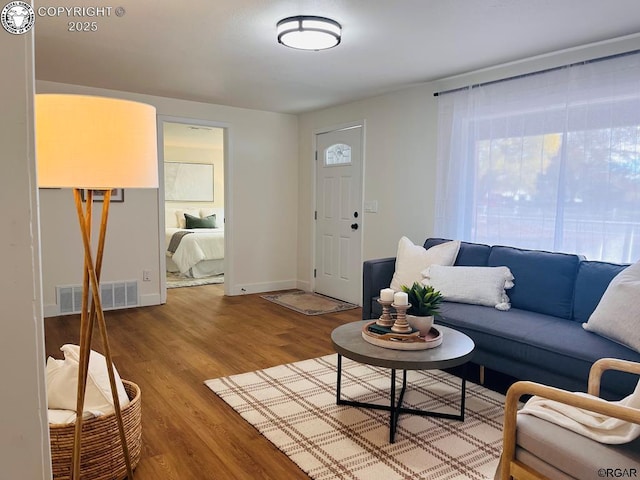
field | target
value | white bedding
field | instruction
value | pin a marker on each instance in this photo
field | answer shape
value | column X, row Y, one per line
column 204, row 244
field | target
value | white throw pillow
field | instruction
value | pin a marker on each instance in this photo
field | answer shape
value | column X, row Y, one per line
column 475, row 285
column 412, row 259
column 62, row 383
column 182, row 222
column 617, row 315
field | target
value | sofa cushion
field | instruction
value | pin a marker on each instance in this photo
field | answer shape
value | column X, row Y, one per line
column 550, row 343
column 544, row 280
column 470, row 254
column 591, row 282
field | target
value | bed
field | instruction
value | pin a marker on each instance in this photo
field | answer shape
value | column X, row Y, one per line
column 197, row 252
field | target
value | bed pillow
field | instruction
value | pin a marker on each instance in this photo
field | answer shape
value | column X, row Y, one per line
column 476, row 285
column 62, row 383
column 412, row 259
column 197, row 222
column 180, row 214
column 617, row 315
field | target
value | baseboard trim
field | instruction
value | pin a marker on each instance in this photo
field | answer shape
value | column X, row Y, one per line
column 244, row 289
column 51, row 310
column 150, row 299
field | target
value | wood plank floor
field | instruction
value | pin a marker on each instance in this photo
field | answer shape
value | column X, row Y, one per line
column 169, row 350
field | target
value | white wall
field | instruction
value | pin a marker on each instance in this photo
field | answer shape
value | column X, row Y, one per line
column 24, row 431
column 400, row 153
column 398, row 165
column 262, row 198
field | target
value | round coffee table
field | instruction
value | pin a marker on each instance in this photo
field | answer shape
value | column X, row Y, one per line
column 456, row 349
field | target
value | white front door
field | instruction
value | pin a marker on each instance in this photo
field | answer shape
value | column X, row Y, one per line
column 338, row 238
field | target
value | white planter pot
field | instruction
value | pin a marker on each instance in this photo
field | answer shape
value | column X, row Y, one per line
column 423, row 324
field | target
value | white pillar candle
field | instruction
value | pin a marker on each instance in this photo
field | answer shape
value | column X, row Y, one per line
column 386, row 295
column 400, row 298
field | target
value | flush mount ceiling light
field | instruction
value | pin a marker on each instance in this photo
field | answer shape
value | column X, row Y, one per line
column 309, row 33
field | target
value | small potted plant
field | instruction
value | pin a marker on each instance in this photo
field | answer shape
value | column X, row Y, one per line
column 425, row 302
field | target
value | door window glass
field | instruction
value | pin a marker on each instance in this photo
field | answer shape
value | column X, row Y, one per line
column 337, row 154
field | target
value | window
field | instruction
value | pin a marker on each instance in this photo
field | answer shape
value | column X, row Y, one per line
column 338, row 154
column 549, row 161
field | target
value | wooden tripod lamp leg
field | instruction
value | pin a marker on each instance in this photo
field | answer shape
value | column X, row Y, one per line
column 91, row 279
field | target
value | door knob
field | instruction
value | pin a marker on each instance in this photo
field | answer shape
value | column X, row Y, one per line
column 354, row 226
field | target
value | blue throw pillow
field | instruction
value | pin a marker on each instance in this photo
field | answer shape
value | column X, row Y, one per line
column 544, row 280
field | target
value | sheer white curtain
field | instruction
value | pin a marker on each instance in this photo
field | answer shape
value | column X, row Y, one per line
column 548, row 161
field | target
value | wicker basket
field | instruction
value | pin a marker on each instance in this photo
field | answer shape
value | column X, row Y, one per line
column 101, row 456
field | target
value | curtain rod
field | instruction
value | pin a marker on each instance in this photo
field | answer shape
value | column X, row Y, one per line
column 538, row 72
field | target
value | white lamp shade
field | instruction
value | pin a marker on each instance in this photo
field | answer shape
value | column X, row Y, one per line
column 95, row 142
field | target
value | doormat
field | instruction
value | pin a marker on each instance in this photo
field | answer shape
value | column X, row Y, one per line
column 309, row 303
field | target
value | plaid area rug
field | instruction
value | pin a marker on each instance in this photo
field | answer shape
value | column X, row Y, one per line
column 294, row 406
column 309, row 303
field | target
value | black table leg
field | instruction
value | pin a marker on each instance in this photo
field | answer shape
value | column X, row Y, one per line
column 339, row 382
column 395, row 408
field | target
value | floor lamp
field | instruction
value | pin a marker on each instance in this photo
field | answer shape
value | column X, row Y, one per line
column 97, row 144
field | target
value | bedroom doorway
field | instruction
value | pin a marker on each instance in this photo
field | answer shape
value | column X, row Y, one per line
column 192, row 156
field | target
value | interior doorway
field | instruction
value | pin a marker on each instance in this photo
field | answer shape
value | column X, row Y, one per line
column 192, row 202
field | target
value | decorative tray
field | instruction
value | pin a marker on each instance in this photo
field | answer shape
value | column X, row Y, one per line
column 386, row 338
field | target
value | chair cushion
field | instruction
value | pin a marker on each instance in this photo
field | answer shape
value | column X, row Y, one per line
column 570, row 453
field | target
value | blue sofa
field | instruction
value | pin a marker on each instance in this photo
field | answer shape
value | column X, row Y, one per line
column 541, row 337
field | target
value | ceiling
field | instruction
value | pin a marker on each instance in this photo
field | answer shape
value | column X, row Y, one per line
column 225, row 51
column 192, row 136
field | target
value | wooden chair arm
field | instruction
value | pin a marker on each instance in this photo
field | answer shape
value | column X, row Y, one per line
column 603, row 364
column 531, row 388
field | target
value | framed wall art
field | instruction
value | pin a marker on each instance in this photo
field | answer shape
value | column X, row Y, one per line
column 188, row 182
column 117, row 195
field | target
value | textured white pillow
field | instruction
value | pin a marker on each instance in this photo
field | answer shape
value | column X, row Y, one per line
column 182, row 222
column 62, row 383
column 475, row 285
column 412, row 259
column 617, row 315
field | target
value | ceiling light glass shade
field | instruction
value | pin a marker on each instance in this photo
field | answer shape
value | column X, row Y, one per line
column 96, row 143
column 309, row 33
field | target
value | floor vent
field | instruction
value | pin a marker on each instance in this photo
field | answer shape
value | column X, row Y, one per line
column 113, row 295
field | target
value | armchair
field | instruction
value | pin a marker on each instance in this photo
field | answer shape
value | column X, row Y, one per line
column 534, row 448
